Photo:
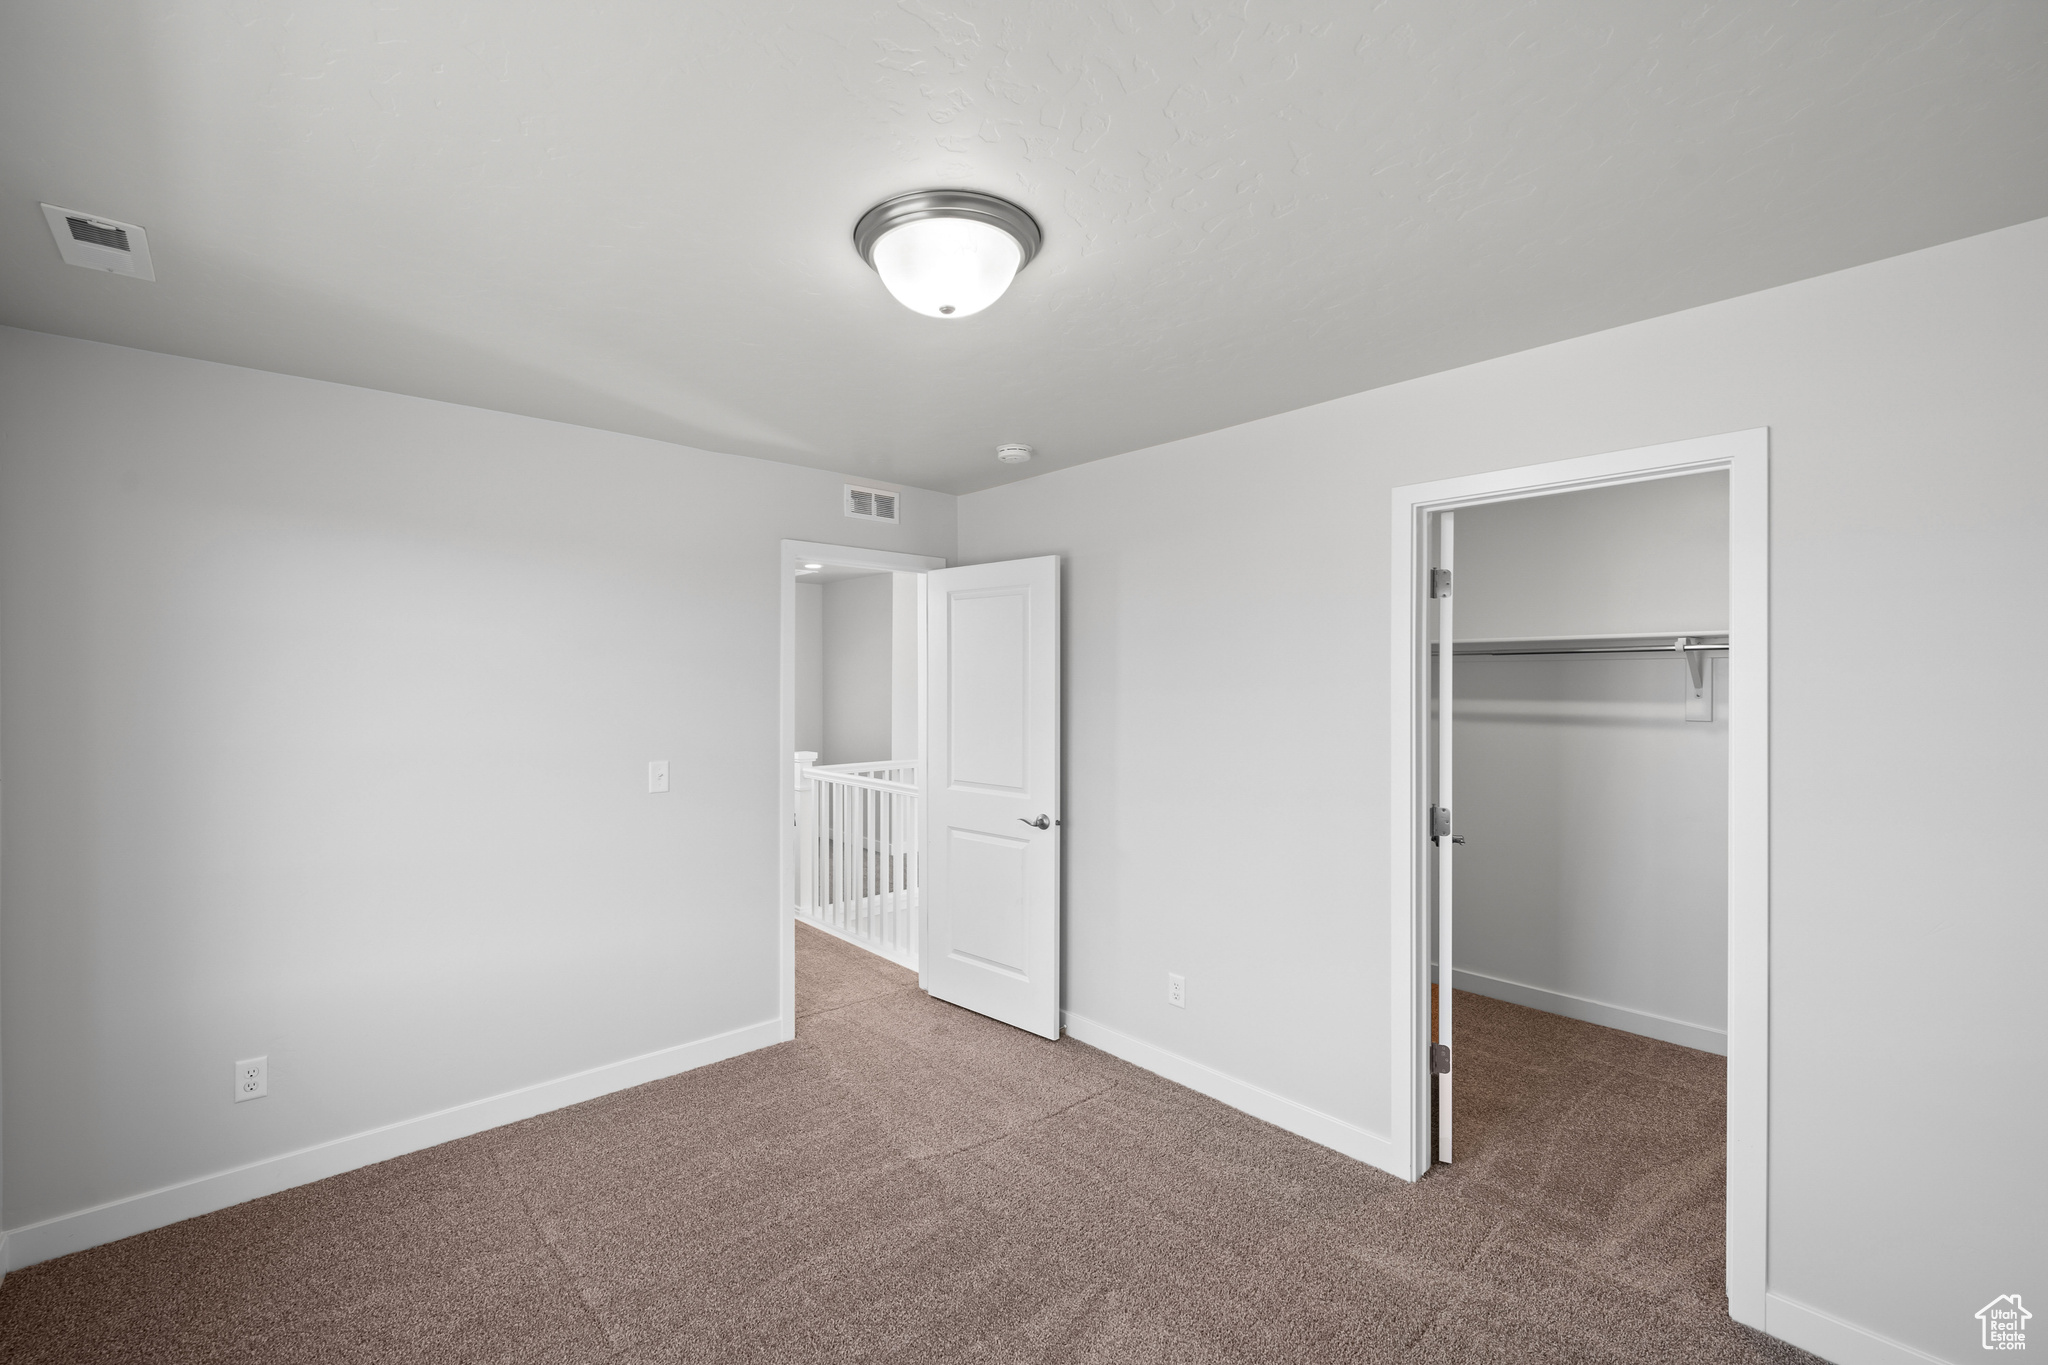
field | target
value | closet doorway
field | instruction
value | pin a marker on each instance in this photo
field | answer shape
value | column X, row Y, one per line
column 1581, row 777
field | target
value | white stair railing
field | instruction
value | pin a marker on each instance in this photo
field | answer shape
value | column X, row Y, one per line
column 859, row 853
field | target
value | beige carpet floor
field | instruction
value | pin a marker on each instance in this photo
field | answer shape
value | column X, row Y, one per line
column 910, row 1182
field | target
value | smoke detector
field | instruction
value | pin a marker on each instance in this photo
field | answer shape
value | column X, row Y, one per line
column 1016, row 452
column 100, row 243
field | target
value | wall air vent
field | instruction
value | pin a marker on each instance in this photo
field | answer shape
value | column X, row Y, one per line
column 870, row 504
column 100, row 243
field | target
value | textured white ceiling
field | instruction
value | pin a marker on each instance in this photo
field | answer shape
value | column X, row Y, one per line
column 635, row 214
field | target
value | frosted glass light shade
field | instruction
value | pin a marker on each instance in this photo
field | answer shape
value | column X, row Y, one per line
column 947, row 267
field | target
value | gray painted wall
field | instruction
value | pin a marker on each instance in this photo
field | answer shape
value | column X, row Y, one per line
column 869, row 668
column 810, row 667
column 1227, row 730
column 1607, row 561
column 324, row 715
column 858, row 668
column 1594, row 880
column 906, row 666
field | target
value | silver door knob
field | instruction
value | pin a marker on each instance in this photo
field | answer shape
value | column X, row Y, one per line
column 1042, row 822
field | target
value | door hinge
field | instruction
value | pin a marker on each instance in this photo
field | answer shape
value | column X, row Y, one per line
column 1439, row 1059
column 1439, row 582
column 1440, row 826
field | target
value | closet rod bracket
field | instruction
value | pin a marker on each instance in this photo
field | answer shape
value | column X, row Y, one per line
column 1699, row 680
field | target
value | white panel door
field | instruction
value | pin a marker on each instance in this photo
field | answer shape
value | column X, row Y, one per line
column 1441, row 826
column 992, row 788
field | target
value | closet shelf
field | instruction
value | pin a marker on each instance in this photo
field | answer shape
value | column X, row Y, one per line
column 1657, row 642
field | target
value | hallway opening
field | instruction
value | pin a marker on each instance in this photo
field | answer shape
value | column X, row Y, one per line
column 857, row 779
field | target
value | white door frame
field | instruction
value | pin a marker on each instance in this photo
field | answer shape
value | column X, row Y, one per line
column 1746, row 457
column 794, row 554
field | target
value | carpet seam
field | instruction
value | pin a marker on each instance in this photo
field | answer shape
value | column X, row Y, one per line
column 864, row 1000
column 1015, row 1129
column 614, row 1350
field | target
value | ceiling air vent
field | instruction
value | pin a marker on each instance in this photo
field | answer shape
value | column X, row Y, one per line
column 870, row 504
column 100, row 243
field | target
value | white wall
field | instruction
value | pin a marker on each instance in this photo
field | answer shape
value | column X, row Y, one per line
column 1227, row 741
column 1636, row 557
column 906, row 666
column 325, row 715
column 859, row 668
column 1594, row 879
column 810, row 668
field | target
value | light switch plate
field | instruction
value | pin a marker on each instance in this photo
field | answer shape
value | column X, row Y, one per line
column 657, row 775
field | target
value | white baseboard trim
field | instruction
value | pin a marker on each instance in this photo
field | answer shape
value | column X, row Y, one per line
column 120, row 1218
column 1594, row 1011
column 1313, row 1124
column 1830, row 1338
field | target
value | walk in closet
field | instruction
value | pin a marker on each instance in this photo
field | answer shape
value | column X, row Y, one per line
column 1589, row 762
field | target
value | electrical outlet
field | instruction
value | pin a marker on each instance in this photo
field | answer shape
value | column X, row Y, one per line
column 252, row 1079
column 657, row 775
column 1176, row 990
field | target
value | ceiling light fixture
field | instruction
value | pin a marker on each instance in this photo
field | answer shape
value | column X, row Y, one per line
column 946, row 253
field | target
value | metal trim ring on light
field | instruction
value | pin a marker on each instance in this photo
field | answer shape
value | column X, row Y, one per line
column 877, row 222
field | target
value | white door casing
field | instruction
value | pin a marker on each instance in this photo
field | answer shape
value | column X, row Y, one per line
column 992, row 788
column 1746, row 457
column 1441, row 831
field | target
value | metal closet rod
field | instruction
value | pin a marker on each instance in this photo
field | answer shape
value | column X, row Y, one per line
column 1602, row 649
column 1693, row 642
